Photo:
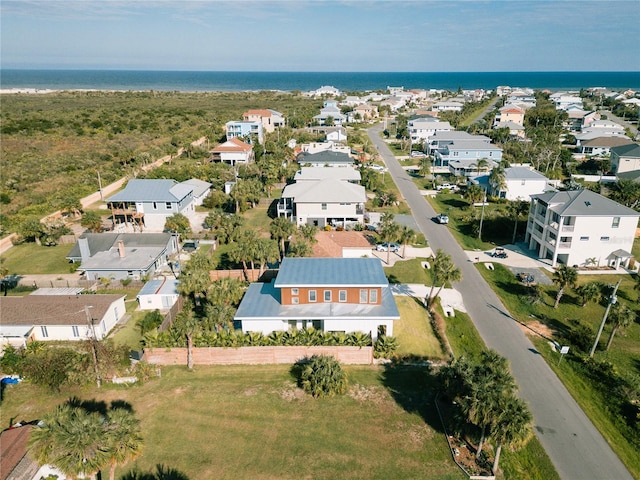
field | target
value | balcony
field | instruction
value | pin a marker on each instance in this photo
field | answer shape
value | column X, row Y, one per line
column 564, row 245
column 568, row 228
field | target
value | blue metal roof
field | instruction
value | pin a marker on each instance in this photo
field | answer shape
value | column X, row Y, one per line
column 338, row 272
column 262, row 301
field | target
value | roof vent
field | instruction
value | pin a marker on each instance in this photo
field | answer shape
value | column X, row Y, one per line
column 588, row 204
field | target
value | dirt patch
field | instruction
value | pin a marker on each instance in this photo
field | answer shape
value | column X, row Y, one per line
column 367, row 394
column 537, row 328
column 292, row 392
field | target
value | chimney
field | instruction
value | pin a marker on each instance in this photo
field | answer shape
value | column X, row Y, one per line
column 121, row 252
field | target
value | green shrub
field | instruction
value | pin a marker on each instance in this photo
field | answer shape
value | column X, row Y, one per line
column 385, row 347
column 323, row 376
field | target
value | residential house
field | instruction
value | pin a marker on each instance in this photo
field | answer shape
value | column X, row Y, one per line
column 58, row 317
column 325, row 158
column 564, row 100
column 447, row 106
column 523, row 98
column 473, row 147
column 233, row 152
column 145, row 204
column 327, row 294
column 245, row 131
column 336, row 135
column 119, row 256
column 270, row 119
column 394, row 103
column 625, row 158
column 365, row 111
column 352, row 101
column 466, row 167
column 317, row 147
column 581, row 227
column 579, row 119
column 330, row 114
column 324, row 202
column 158, row 294
column 421, row 128
column 515, row 130
column 520, row 183
column 325, row 90
column 201, row 189
column 315, row 174
column 601, row 146
column 510, row 113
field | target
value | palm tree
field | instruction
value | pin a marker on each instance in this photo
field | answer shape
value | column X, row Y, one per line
column 266, row 251
column 389, row 230
column 125, row 442
column 444, row 271
column 564, row 276
column 323, row 376
column 513, row 426
column 407, row 234
column 225, row 291
column 622, row 317
column 497, row 180
column 475, row 194
column 589, row 292
column 515, row 210
column 308, row 232
column 281, row 229
column 481, row 164
column 72, row 440
column 187, row 325
column 244, row 250
column 194, row 284
column 425, row 166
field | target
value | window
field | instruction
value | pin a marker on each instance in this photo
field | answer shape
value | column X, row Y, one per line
column 155, row 205
column 616, row 222
column 604, row 239
column 373, row 296
column 324, row 206
column 327, row 295
column 168, row 205
column 294, row 291
column 342, row 296
column 364, row 296
column 43, row 330
column 584, row 239
column 74, row 328
column 295, row 300
column 312, row 295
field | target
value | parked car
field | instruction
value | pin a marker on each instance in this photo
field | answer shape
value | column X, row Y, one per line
column 499, row 252
column 442, row 219
column 416, row 153
column 190, row 246
column 377, row 168
column 446, row 186
column 383, row 247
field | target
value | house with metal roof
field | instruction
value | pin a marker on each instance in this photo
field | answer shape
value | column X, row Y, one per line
column 520, row 183
column 58, row 317
column 122, row 255
column 328, row 294
column 325, row 158
column 327, row 201
column 246, row 131
column 158, row 294
column 201, row 189
column 315, row 174
column 145, row 204
column 581, row 227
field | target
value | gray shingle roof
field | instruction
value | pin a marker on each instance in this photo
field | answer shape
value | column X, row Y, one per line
column 630, row 150
column 152, row 190
column 300, row 272
column 103, row 242
column 584, row 203
column 325, row 157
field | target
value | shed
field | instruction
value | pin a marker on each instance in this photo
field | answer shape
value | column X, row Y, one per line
column 158, row 294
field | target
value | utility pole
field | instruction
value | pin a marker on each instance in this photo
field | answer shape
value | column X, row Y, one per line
column 94, row 347
column 484, row 200
column 612, row 301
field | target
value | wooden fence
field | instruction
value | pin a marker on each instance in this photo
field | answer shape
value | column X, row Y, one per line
column 256, row 355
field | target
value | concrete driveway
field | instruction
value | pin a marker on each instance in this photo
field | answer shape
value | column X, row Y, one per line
column 576, row 448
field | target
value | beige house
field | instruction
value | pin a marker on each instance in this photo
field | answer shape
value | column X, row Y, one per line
column 270, row 119
column 510, row 113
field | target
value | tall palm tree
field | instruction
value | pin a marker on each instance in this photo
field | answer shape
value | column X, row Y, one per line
column 281, row 228
column 480, row 164
column 444, row 271
column 123, row 434
column 225, row 291
column 589, row 292
column 266, row 251
column 244, row 250
column 308, row 232
column 407, row 234
column 389, row 231
column 187, row 324
column 72, row 440
column 497, row 180
column 194, row 284
column 513, row 426
column 622, row 316
column 564, row 276
column 515, row 210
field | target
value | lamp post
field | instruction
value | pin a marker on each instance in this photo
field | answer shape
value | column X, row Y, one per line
column 612, row 300
column 94, row 347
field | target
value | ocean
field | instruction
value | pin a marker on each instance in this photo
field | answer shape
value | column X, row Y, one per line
column 130, row 80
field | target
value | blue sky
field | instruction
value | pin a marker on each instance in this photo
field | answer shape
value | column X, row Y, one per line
column 322, row 35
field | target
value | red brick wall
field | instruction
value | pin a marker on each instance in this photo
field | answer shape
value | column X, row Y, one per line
column 256, row 355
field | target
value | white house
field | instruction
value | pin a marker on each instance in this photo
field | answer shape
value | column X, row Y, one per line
column 158, row 294
column 521, row 183
column 563, row 100
column 324, row 202
column 326, row 158
column 447, row 106
column 421, row 128
column 317, row 147
column 625, row 158
column 315, row 174
column 201, row 189
column 601, row 146
column 330, row 110
column 581, row 227
column 327, row 294
column 233, row 152
column 462, row 151
column 58, row 317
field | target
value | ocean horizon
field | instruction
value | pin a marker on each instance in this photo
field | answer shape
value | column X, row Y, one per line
column 203, row 81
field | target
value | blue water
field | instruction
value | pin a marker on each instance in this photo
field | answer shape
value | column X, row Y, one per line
column 305, row 81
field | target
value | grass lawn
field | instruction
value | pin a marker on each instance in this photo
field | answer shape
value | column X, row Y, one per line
column 128, row 334
column 408, row 271
column 253, row 422
column 414, row 332
column 32, row 259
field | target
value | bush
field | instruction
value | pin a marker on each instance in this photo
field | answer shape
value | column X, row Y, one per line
column 322, row 376
column 385, row 347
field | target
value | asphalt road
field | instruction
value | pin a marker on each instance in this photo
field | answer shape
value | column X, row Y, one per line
column 576, row 448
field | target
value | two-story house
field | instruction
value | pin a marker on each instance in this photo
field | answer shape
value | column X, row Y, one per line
column 145, row 204
column 469, row 151
column 315, row 174
column 601, row 146
column 520, row 183
column 270, row 119
column 447, row 106
column 233, row 152
column 421, row 128
column 246, row 131
column 510, row 113
column 330, row 114
column 326, row 158
column 328, row 201
column 328, row 294
column 581, row 227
